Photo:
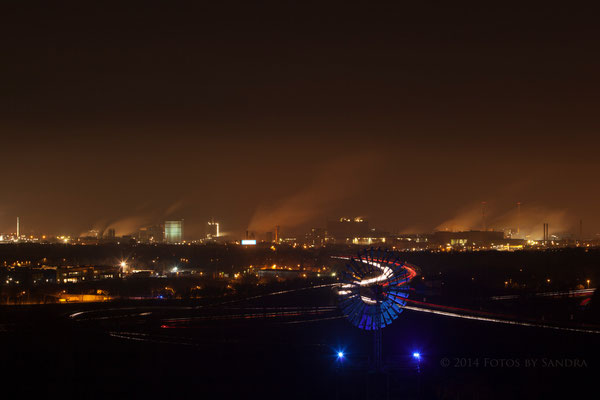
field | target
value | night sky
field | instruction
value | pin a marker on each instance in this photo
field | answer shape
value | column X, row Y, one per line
column 293, row 113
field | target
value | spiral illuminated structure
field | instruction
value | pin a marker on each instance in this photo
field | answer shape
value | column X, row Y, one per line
column 374, row 288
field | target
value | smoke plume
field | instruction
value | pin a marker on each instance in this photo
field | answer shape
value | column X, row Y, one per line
column 337, row 181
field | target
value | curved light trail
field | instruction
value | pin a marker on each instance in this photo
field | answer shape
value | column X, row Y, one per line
column 499, row 321
column 487, row 317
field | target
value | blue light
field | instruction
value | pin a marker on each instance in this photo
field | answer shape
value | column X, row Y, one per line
column 340, row 354
column 417, row 355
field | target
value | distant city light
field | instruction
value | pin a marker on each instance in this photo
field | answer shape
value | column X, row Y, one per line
column 340, row 354
column 248, row 242
column 174, row 269
column 417, row 355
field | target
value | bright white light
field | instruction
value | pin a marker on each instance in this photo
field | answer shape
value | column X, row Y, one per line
column 248, row 242
column 340, row 354
column 368, row 300
column 417, row 355
column 174, row 269
column 386, row 274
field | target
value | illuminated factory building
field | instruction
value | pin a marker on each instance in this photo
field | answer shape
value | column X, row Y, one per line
column 213, row 230
column 174, row 231
column 467, row 238
column 151, row 234
column 345, row 229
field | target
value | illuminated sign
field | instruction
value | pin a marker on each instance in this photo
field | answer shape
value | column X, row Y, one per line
column 248, row 242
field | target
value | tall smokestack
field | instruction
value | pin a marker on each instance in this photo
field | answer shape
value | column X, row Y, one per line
column 18, row 228
column 544, row 233
column 483, row 225
column 518, row 218
column 277, row 234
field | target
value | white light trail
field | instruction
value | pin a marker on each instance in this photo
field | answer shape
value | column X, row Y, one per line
column 386, row 274
column 578, row 292
column 368, row 300
column 497, row 320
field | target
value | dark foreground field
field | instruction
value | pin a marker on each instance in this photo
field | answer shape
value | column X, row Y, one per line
column 129, row 351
